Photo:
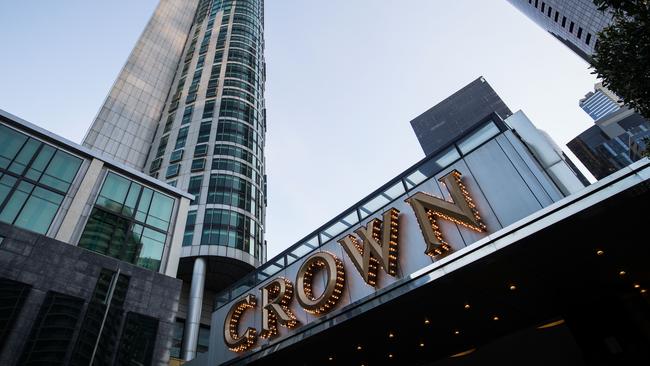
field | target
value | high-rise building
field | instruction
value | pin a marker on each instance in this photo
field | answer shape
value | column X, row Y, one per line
column 613, row 142
column 458, row 114
column 600, row 102
column 188, row 109
column 575, row 23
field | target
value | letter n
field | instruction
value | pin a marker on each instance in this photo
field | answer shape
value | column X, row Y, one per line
column 428, row 209
column 377, row 245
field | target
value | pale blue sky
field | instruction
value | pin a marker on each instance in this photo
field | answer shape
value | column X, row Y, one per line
column 345, row 77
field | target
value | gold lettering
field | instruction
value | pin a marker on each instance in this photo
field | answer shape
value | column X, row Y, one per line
column 276, row 297
column 234, row 341
column 335, row 280
column 379, row 247
column 428, row 209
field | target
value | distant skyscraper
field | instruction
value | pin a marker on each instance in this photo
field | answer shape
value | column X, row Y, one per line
column 600, row 102
column 614, row 142
column 457, row 115
column 574, row 22
column 188, row 109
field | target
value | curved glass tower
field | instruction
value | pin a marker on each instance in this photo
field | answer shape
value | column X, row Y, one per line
column 210, row 142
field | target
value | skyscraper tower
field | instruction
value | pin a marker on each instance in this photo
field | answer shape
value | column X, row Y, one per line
column 188, row 109
column 600, row 102
column 575, row 23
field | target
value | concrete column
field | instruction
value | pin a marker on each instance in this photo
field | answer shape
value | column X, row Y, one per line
column 193, row 321
column 71, row 219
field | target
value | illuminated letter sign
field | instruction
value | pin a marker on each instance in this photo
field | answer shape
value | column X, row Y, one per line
column 335, row 280
column 461, row 211
column 276, row 297
column 231, row 336
column 379, row 247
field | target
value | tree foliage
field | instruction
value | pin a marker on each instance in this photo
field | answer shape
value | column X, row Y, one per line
column 622, row 56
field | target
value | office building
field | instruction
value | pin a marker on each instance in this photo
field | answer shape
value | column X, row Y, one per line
column 575, row 23
column 600, row 102
column 457, row 114
column 613, row 142
column 89, row 250
column 488, row 251
column 188, row 109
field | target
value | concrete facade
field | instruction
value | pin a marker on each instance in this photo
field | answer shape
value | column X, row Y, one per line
column 46, row 264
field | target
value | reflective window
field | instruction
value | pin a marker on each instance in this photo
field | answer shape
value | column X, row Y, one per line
column 176, row 156
column 52, row 332
column 138, row 340
column 129, row 222
column 382, row 199
column 228, row 228
column 194, row 188
column 188, row 236
column 477, row 138
column 172, row 170
column 339, row 226
column 34, row 178
column 431, row 167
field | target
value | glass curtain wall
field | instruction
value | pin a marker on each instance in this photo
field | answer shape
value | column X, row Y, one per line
column 217, row 118
column 34, row 179
column 129, row 222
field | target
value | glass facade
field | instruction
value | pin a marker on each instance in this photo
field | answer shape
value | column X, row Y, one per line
column 129, row 222
column 575, row 23
column 226, row 57
column 34, row 179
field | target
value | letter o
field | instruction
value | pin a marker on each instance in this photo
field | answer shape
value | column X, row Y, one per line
column 335, row 281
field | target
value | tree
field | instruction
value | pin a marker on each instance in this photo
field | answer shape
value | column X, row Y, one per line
column 622, row 55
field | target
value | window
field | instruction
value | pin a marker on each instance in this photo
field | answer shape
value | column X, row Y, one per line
column 227, row 228
column 188, row 235
column 138, row 340
column 52, row 332
column 200, row 150
column 11, row 303
column 187, row 115
column 477, row 138
column 204, row 132
column 579, row 32
column 236, row 132
column 129, row 222
column 233, row 166
column 194, row 188
column 563, row 22
column 198, row 165
column 169, row 123
column 557, row 16
column 176, row 156
column 588, row 39
column 155, row 165
column 34, row 178
column 571, row 27
column 208, row 110
column 172, row 170
column 181, row 138
column 233, row 191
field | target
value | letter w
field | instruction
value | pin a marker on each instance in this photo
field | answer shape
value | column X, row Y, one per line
column 377, row 246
